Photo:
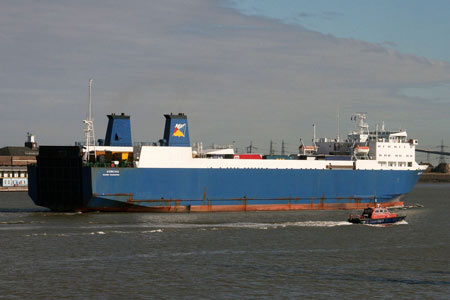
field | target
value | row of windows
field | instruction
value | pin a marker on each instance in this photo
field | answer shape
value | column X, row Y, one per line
column 396, row 155
column 395, row 164
column 382, row 146
column 7, row 174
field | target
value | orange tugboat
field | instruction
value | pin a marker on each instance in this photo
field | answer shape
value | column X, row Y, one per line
column 377, row 215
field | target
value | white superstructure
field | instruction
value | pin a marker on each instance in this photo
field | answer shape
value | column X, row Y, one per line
column 362, row 150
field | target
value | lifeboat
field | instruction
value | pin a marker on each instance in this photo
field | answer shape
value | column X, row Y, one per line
column 361, row 149
column 308, row 149
column 377, row 215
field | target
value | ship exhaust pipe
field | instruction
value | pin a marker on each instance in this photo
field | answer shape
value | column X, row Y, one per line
column 176, row 131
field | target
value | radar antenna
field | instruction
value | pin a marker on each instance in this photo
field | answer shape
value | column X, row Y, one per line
column 361, row 119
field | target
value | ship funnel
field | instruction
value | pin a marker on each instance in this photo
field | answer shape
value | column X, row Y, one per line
column 176, row 132
column 118, row 132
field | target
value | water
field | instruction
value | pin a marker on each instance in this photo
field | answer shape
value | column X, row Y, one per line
column 255, row 255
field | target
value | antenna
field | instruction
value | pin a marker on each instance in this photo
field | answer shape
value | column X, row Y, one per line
column 314, row 135
column 282, row 147
column 90, row 100
column 89, row 130
column 338, row 125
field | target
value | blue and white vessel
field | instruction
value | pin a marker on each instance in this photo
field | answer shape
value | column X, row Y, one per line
column 368, row 168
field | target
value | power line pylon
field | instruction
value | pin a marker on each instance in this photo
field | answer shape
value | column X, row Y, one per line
column 442, row 157
column 250, row 148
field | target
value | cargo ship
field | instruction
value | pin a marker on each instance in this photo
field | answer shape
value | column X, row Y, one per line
column 368, row 168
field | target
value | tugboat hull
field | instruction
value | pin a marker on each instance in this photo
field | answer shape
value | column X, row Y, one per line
column 377, row 221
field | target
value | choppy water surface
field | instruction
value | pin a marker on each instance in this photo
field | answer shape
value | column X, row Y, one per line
column 255, row 255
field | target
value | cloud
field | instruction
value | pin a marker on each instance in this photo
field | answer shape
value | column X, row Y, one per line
column 331, row 15
column 239, row 78
column 327, row 15
column 305, row 15
column 389, row 44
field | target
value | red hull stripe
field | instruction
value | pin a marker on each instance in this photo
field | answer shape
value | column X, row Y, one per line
column 232, row 208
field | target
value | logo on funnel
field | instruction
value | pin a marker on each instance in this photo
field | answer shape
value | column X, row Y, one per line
column 180, row 130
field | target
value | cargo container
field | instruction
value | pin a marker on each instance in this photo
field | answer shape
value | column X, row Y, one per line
column 247, row 156
column 279, row 157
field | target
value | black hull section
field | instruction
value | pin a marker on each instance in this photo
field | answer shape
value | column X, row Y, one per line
column 57, row 181
column 377, row 221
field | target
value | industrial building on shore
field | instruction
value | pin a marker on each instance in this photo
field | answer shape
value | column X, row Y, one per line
column 13, row 165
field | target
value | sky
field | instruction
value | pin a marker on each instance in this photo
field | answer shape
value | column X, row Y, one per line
column 242, row 70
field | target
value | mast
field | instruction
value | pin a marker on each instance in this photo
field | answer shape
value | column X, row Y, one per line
column 338, row 126
column 314, row 135
column 89, row 133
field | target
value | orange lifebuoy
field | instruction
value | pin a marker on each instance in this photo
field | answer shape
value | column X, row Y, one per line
column 112, row 165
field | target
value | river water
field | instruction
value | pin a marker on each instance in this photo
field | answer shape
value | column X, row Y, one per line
column 254, row 255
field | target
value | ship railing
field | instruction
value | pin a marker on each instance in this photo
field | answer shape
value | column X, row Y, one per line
column 124, row 164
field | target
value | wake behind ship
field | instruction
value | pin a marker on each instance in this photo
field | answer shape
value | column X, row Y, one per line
column 368, row 168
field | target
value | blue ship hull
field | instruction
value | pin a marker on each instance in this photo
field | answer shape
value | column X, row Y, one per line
column 155, row 189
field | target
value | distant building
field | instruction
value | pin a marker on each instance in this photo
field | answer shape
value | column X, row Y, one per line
column 14, row 161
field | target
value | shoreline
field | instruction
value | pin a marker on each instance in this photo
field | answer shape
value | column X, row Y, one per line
column 435, row 178
column 13, row 189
